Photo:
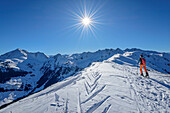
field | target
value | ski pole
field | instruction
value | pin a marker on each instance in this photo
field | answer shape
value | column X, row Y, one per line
column 137, row 69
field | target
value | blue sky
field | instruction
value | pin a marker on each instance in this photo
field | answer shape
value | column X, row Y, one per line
column 45, row 25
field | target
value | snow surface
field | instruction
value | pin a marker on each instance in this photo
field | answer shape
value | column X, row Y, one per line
column 110, row 86
column 20, row 60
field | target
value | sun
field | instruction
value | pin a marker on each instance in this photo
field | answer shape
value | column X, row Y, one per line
column 86, row 21
column 86, row 18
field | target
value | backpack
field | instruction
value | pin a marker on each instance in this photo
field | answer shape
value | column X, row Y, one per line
column 143, row 61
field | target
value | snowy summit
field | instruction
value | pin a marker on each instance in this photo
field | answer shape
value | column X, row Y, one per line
column 105, row 81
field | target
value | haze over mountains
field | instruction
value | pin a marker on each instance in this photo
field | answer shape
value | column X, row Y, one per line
column 23, row 73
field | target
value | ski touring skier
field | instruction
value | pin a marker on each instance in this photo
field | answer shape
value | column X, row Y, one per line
column 142, row 62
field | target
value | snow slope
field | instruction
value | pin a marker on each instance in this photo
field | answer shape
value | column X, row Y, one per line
column 19, row 72
column 110, row 86
column 60, row 67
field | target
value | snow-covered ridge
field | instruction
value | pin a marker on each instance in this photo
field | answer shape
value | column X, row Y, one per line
column 109, row 86
column 18, row 53
column 19, row 72
column 36, row 71
column 17, row 58
column 59, row 67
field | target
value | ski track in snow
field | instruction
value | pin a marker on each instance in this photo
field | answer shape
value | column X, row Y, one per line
column 94, row 94
column 144, row 94
column 96, row 105
column 106, row 110
column 66, row 106
column 79, row 110
column 105, row 87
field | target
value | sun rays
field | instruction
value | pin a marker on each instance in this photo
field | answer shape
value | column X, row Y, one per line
column 86, row 18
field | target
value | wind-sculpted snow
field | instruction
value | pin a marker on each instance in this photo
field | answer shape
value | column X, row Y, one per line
column 103, row 87
column 113, row 69
column 63, row 66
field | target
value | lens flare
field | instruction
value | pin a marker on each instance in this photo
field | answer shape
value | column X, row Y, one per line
column 86, row 21
column 86, row 18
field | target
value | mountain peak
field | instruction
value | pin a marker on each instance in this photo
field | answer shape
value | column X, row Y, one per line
column 119, row 50
column 21, row 50
column 17, row 53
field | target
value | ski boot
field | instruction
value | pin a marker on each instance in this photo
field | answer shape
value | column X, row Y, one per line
column 147, row 75
column 142, row 75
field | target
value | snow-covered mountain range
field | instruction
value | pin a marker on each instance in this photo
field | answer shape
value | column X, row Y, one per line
column 105, row 71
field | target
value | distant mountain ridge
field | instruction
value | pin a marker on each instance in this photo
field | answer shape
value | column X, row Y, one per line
column 23, row 72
